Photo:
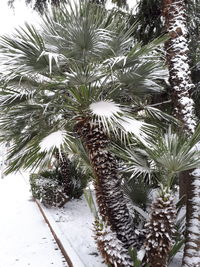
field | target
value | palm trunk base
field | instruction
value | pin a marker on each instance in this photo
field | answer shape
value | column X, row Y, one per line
column 110, row 247
column 192, row 245
column 160, row 229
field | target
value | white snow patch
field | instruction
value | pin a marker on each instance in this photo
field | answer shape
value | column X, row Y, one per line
column 131, row 125
column 194, row 229
column 107, row 109
column 75, row 221
column 191, row 261
column 140, row 254
column 53, row 140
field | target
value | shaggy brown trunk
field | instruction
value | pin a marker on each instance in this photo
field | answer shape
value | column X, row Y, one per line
column 184, row 185
column 64, row 162
column 109, row 195
column 160, row 229
column 174, row 13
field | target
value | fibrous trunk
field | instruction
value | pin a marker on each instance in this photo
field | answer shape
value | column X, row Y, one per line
column 174, row 13
column 192, row 244
column 111, row 248
column 63, row 163
column 110, row 199
column 160, row 229
column 176, row 47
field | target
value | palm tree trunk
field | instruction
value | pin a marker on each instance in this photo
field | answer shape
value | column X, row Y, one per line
column 192, row 245
column 174, row 13
column 63, row 163
column 159, row 230
column 110, row 199
column 177, row 50
column 111, row 248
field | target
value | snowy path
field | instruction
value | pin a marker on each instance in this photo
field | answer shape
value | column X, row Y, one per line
column 25, row 239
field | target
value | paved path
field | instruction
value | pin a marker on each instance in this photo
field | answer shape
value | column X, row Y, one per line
column 25, row 239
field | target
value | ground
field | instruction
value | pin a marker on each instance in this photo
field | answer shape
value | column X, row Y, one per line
column 26, row 240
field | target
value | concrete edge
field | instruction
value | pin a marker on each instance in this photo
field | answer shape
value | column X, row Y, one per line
column 67, row 250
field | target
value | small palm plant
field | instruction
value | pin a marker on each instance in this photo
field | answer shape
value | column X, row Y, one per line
column 85, row 63
column 168, row 154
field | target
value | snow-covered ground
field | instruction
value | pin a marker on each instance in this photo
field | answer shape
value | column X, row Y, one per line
column 25, row 239
column 75, row 222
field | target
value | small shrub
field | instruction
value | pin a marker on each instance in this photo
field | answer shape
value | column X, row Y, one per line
column 47, row 190
column 52, row 190
column 77, row 182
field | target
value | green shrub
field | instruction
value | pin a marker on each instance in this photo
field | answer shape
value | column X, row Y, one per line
column 47, row 190
column 52, row 190
column 77, row 182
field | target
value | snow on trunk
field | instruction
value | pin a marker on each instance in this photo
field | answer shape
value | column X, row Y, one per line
column 178, row 63
column 174, row 13
column 192, row 244
column 110, row 200
column 111, row 248
column 159, row 230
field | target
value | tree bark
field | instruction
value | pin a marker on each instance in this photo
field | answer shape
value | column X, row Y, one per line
column 176, row 47
column 192, row 244
column 63, row 163
column 174, row 14
column 110, row 200
column 160, row 229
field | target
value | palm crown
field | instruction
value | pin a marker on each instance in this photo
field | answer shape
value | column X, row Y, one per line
column 80, row 55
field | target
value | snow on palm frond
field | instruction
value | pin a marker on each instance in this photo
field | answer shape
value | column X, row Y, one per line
column 107, row 113
column 52, row 141
column 11, row 96
column 51, row 57
column 141, row 130
column 105, row 108
column 136, row 162
column 120, row 60
column 173, row 152
column 114, row 117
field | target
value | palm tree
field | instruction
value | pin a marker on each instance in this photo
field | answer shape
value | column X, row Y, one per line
column 150, row 25
column 168, row 154
column 85, row 58
column 181, row 86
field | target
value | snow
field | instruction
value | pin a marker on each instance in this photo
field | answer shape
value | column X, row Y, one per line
column 131, row 125
column 141, row 254
column 76, row 223
column 53, row 140
column 177, row 260
column 192, row 261
column 107, row 109
column 25, row 237
column 135, row 127
column 192, row 257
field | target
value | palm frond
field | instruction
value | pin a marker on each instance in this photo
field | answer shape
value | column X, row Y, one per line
column 159, row 115
column 136, row 162
column 174, row 152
